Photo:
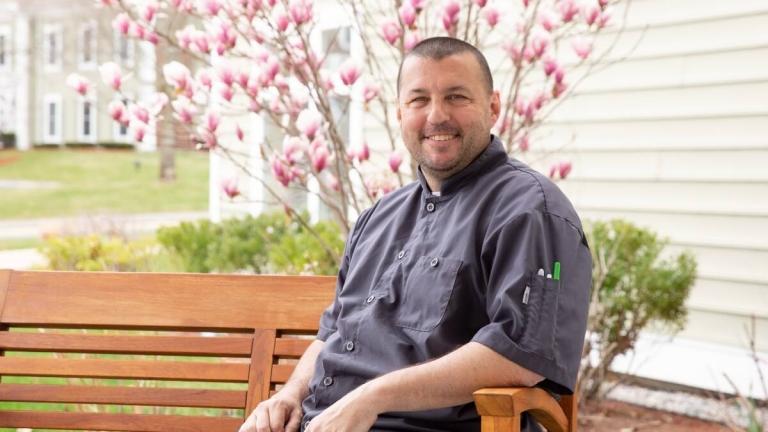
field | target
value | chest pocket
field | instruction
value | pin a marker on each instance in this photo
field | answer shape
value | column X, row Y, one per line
column 417, row 300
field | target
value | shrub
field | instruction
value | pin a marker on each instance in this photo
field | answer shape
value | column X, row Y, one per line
column 632, row 287
column 269, row 243
column 96, row 253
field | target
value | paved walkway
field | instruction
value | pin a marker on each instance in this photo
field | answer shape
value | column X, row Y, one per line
column 128, row 224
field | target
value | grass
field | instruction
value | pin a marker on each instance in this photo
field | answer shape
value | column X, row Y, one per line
column 91, row 182
column 20, row 243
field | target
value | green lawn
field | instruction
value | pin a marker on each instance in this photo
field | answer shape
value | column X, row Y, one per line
column 100, row 182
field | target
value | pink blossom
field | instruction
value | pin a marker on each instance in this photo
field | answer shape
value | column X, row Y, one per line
column 395, row 159
column 255, row 106
column 139, row 131
column 524, row 143
column 212, row 120
column 137, row 30
column 320, row 158
column 548, row 20
column 604, row 18
column 209, row 7
column 417, row 4
column 514, row 51
column 152, row 37
column 568, row 10
column 122, row 23
column 301, row 11
column 148, row 11
column 185, row 36
column 603, row 3
column 281, row 20
column 177, row 75
column 293, row 148
column 117, row 111
column 559, row 75
column 550, row 66
column 491, row 15
column 564, row 168
column 333, row 183
column 157, row 102
column 111, row 75
column 308, row 123
column 226, row 74
column 451, row 8
column 223, row 32
column 229, row 187
column 184, row 109
column 364, row 153
column 200, row 41
column 582, row 47
column 539, row 43
column 226, row 93
column 78, row 83
column 370, row 91
column 349, row 72
column 407, row 14
column 411, row 39
column 204, row 79
column 391, row 31
column 558, row 89
column 481, row 3
column 239, row 133
column 590, row 13
column 140, row 113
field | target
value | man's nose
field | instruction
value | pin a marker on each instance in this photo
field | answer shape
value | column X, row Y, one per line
column 438, row 113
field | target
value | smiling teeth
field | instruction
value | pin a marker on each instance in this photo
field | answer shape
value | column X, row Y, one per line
column 441, row 137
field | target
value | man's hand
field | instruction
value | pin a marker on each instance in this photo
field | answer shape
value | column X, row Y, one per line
column 355, row 412
column 280, row 413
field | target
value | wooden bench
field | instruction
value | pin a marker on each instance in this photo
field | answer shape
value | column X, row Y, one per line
column 117, row 351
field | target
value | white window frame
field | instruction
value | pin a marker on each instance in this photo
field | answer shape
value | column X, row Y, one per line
column 116, row 135
column 57, row 136
column 58, row 33
column 83, row 63
column 130, row 50
column 5, row 48
column 81, row 135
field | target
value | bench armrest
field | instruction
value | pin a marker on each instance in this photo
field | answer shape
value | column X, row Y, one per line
column 501, row 408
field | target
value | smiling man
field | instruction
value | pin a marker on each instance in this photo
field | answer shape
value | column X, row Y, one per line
column 477, row 275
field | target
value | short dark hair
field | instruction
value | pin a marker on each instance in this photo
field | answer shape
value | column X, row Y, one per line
column 437, row 48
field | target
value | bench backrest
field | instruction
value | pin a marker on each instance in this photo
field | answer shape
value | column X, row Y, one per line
column 149, row 352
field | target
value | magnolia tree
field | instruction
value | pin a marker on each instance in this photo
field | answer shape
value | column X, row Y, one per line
column 258, row 56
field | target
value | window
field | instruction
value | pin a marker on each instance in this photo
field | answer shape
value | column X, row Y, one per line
column 5, row 47
column 52, row 115
column 87, row 46
column 86, row 121
column 52, row 47
column 123, row 49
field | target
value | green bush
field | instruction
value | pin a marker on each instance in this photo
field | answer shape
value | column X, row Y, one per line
column 632, row 287
column 95, row 253
column 269, row 243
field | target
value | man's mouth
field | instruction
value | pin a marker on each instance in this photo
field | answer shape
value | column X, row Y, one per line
column 444, row 137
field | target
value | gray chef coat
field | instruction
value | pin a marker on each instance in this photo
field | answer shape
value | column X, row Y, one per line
column 423, row 275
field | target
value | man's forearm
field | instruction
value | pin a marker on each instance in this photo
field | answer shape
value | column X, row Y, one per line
column 446, row 381
column 305, row 368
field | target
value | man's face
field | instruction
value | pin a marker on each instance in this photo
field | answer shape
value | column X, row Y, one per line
column 445, row 112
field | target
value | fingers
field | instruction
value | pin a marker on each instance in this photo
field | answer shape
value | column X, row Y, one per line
column 250, row 423
column 262, row 419
column 294, row 422
column 277, row 417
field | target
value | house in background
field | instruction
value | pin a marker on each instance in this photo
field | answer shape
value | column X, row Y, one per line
column 41, row 43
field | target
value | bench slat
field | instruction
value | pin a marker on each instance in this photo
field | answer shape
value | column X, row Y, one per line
column 170, row 301
column 281, row 373
column 117, row 422
column 171, row 397
column 291, row 347
column 125, row 369
column 230, row 346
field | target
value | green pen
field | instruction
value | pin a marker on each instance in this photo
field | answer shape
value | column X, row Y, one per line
column 556, row 271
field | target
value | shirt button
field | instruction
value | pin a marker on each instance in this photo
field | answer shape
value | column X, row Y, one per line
column 349, row 346
column 369, row 299
column 401, row 255
column 434, row 262
column 430, row 207
column 327, row 381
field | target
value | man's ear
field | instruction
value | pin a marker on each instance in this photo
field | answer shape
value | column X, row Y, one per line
column 495, row 106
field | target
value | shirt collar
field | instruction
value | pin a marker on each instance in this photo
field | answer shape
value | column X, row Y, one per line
column 493, row 155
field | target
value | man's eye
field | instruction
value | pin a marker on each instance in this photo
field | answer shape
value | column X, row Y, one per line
column 418, row 101
column 457, row 98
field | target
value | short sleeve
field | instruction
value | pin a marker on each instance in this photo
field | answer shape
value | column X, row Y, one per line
column 536, row 321
column 331, row 313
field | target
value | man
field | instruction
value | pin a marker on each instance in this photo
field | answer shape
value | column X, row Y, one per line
column 475, row 276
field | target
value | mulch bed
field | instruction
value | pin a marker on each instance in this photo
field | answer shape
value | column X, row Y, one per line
column 614, row 416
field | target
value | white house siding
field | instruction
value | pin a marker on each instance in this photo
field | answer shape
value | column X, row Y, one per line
column 675, row 138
